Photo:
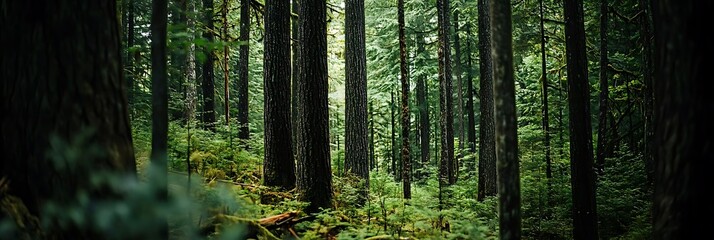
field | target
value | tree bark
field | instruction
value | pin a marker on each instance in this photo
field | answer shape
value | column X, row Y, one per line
column 279, row 164
column 61, row 80
column 446, row 121
column 581, row 154
column 356, row 135
column 208, row 114
column 296, row 69
column 314, row 172
column 159, row 106
column 504, row 94
column 423, row 104
column 244, row 52
column 406, row 123
column 684, row 103
column 487, row 131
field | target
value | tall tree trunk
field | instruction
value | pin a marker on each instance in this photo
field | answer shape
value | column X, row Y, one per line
column 504, row 94
column 602, row 139
column 581, row 154
column 406, row 124
column 279, row 164
column 446, row 121
column 423, row 104
column 160, row 104
column 209, row 113
column 314, row 172
column 356, row 145
column 68, row 68
column 296, row 69
column 244, row 51
column 187, row 60
column 647, row 66
column 682, row 206
column 487, row 130
column 544, row 89
column 459, row 96
column 471, row 126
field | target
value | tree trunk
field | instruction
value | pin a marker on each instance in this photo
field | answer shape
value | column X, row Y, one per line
column 682, row 206
column 314, row 172
column 423, row 104
column 504, row 94
column 159, row 106
column 406, row 124
column 356, row 136
column 646, row 36
column 581, row 154
column 487, row 131
column 187, row 60
column 296, row 69
column 209, row 113
column 446, row 121
column 244, row 51
column 544, row 89
column 63, row 79
column 459, row 94
column 279, row 165
column 602, row 139
column 471, row 126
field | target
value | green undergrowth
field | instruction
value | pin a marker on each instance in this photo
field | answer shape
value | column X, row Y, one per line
column 225, row 198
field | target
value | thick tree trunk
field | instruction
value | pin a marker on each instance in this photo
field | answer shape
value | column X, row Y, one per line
column 279, row 164
column 406, row 123
column 208, row 114
column 314, row 171
column 684, row 103
column 487, row 131
column 504, row 94
column 356, row 136
column 581, row 154
column 296, row 69
column 446, row 121
column 160, row 104
column 61, row 79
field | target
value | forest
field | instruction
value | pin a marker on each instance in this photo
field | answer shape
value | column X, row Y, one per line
column 356, row 119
